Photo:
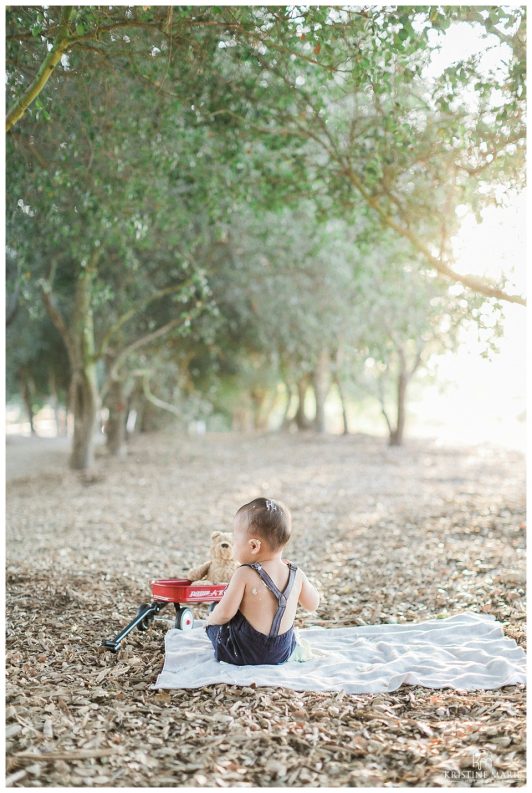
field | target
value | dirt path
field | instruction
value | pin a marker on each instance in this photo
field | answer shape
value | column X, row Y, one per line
column 27, row 456
column 387, row 534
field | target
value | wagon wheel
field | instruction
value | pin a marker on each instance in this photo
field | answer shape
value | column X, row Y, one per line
column 184, row 619
column 147, row 621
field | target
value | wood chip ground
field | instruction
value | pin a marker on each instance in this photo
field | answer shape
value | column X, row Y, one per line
column 388, row 534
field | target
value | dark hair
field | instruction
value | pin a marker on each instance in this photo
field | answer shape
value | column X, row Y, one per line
column 270, row 519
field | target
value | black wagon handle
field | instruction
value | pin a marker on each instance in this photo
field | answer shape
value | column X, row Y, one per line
column 149, row 611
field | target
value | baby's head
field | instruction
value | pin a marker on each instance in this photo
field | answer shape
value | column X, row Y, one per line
column 261, row 525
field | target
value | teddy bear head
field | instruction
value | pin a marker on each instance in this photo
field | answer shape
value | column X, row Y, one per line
column 222, row 545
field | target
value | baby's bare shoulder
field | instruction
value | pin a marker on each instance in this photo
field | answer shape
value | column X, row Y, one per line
column 245, row 571
column 301, row 575
column 247, row 574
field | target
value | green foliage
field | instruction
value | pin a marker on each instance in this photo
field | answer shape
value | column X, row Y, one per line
column 239, row 154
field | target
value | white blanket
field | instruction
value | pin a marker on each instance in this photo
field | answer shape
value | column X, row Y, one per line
column 466, row 652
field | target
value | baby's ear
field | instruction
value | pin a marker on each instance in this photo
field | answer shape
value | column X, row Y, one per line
column 215, row 534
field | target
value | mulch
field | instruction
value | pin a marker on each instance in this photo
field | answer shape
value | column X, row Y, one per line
column 387, row 534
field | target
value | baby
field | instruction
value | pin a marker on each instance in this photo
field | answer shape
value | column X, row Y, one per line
column 254, row 621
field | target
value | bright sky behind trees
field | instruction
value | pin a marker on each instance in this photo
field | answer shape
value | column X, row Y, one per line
column 476, row 398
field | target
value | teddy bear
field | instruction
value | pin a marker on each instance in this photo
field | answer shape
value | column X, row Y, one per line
column 221, row 566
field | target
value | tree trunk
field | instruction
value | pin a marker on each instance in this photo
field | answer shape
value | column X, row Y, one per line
column 264, row 407
column 396, row 435
column 242, row 419
column 267, row 410
column 337, row 379
column 132, row 408
column 258, row 400
column 79, row 341
column 27, row 390
column 64, row 421
column 60, row 420
column 84, row 389
column 301, row 419
column 321, row 383
column 148, row 421
column 285, row 423
column 343, row 403
column 115, row 428
column 84, row 409
column 12, row 304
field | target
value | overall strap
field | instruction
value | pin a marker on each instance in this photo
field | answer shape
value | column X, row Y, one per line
column 282, row 597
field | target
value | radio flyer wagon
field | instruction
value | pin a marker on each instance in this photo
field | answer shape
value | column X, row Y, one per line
column 178, row 591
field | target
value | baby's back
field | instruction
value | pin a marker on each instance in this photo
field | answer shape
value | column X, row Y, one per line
column 259, row 603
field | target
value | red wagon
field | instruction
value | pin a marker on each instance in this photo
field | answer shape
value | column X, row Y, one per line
column 178, row 591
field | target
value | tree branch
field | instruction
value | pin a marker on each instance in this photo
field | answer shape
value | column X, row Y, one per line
column 135, row 309
column 381, row 400
column 155, row 400
column 135, row 345
column 57, row 319
column 61, row 44
column 495, row 151
column 480, row 285
column 417, row 361
column 30, row 147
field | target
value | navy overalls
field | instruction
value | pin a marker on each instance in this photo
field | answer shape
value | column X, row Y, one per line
column 238, row 642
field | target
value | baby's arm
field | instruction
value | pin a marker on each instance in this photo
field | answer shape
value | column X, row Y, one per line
column 231, row 600
column 309, row 597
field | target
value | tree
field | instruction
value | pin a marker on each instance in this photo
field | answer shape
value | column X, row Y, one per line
column 36, row 366
column 284, row 72
column 288, row 292
column 86, row 222
column 264, row 145
column 416, row 157
column 407, row 316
